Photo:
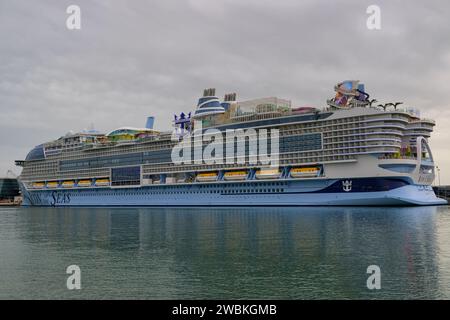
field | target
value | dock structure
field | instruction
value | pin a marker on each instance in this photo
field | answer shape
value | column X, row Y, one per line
column 9, row 192
column 442, row 192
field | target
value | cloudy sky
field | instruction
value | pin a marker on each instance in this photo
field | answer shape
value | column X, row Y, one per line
column 137, row 58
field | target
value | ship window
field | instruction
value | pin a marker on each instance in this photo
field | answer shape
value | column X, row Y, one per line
column 36, row 154
column 126, row 176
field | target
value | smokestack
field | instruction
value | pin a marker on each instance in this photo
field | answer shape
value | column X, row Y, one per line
column 211, row 92
column 150, row 121
column 230, row 97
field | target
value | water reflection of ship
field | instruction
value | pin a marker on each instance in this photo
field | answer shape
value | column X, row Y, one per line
column 284, row 242
column 165, row 223
column 295, row 246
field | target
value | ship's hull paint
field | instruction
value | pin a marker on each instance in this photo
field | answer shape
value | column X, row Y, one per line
column 311, row 192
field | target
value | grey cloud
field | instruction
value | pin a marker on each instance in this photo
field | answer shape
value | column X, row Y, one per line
column 136, row 58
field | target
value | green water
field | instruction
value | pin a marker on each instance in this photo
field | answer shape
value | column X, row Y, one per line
column 273, row 253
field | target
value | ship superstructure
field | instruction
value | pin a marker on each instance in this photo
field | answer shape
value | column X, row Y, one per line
column 351, row 152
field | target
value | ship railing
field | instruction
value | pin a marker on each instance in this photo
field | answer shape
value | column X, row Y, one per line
column 258, row 116
column 403, row 157
column 427, row 120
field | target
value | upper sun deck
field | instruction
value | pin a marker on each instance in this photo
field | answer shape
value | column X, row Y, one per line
column 253, row 110
column 350, row 100
column 130, row 134
column 350, row 95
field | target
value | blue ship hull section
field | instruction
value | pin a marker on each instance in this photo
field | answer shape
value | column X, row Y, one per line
column 307, row 192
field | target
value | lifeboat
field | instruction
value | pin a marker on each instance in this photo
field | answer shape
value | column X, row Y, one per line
column 305, row 172
column 68, row 184
column 38, row 185
column 235, row 175
column 84, row 183
column 206, row 176
column 102, row 182
column 52, row 184
column 267, row 174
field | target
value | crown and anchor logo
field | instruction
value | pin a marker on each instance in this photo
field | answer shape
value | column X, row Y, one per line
column 347, row 185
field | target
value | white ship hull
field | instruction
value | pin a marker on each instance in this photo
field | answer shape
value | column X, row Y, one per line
column 316, row 192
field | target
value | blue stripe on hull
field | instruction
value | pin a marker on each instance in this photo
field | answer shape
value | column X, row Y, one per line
column 311, row 192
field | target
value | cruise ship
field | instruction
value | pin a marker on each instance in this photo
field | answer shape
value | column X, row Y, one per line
column 351, row 152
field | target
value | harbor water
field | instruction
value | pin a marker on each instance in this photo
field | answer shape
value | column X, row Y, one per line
column 225, row 253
